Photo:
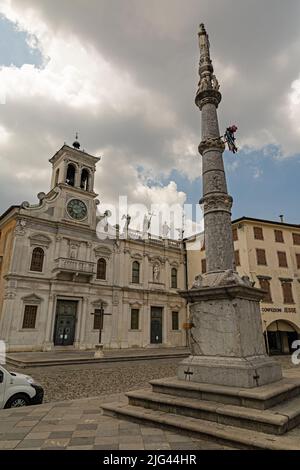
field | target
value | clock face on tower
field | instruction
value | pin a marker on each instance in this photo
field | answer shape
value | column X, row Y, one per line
column 77, row 209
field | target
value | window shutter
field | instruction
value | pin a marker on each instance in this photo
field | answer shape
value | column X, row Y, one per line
column 296, row 238
column 298, row 260
column 261, row 256
column 237, row 258
column 258, row 233
column 282, row 260
column 278, row 236
column 265, row 285
column 287, row 293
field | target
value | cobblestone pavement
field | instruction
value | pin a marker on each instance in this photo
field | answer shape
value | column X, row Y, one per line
column 80, row 424
column 92, row 380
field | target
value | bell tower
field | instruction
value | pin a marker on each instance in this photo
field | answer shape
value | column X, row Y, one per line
column 73, row 174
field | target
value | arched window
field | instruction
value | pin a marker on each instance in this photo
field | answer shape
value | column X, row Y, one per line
column 71, row 171
column 174, row 278
column 56, row 177
column 136, row 272
column 84, row 180
column 101, row 269
column 37, row 260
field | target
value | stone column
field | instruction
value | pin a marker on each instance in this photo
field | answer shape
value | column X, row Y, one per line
column 226, row 334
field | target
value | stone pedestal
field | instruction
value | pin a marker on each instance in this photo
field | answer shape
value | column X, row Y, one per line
column 226, row 336
column 98, row 351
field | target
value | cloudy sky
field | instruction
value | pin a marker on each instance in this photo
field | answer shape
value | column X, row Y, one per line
column 124, row 74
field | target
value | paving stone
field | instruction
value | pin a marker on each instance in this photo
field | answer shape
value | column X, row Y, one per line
column 148, row 438
column 156, row 446
column 60, row 434
column 55, row 443
column 13, row 436
column 31, row 443
column 87, row 427
column 145, row 430
column 87, row 447
column 106, row 447
column 130, row 439
column 84, row 433
column 106, row 441
column 82, row 441
column 131, row 447
column 27, row 424
column 8, row 444
column 37, row 435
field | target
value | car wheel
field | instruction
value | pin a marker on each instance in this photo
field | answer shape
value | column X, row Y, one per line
column 17, row 400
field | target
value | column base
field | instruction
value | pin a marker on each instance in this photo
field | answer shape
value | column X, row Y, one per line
column 230, row 371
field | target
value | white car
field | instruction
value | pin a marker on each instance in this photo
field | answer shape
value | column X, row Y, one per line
column 18, row 390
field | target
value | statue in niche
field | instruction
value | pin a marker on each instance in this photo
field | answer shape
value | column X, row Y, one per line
column 156, row 273
column 73, row 251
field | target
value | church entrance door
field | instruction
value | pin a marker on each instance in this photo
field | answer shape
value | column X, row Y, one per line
column 64, row 330
column 156, row 325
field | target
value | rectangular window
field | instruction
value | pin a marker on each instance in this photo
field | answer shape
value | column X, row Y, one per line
column 29, row 318
column 98, row 319
column 278, row 236
column 282, row 260
column 261, row 257
column 258, row 233
column 296, row 238
column 134, row 323
column 234, row 234
column 287, row 292
column 298, row 260
column 175, row 321
column 265, row 285
column 203, row 266
column 237, row 258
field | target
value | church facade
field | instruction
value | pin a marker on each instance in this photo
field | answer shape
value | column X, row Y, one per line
column 60, row 284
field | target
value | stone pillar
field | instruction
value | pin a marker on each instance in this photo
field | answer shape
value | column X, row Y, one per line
column 226, row 334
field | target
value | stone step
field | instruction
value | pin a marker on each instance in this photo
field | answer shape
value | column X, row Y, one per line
column 260, row 398
column 239, row 416
column 199, row 428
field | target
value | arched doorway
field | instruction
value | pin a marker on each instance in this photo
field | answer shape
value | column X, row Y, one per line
column 280, row 336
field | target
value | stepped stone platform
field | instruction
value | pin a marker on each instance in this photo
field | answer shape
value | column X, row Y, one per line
column 71, row 357
column 259, row 418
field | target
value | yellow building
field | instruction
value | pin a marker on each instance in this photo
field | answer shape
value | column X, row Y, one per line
column 269, row 253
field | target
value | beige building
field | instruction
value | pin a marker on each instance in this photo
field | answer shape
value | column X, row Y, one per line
column 269, row 253
column 57, row 277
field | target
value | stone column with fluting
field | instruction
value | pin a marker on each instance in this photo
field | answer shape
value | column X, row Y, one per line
column 226, row 334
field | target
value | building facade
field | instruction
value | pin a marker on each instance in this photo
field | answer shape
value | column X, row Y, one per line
column 269, row 253
column 60, row 284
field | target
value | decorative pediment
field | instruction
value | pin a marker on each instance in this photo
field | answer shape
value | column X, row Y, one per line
column 136, row 256
column 102, row 250
column 175, row 306
column 32, row 299
column 40, row 239
column 155, row 259
column 135, row 304
column 97, row 303
column 174, row 264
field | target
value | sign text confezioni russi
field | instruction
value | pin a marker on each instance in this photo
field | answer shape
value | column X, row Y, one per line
column 278, row 310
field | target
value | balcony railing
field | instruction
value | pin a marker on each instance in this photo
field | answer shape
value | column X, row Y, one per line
column 74, row 266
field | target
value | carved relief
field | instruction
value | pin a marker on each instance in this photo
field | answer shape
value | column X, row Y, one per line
column 214, row 202
column 20, row 227
column 211, row 143
column 156, row 273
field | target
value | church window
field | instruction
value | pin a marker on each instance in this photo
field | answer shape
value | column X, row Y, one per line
column 101, row 269
column 37, row 260
column 29, row 318
column 134, row 320
column 136, row 272
column 174, row 278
